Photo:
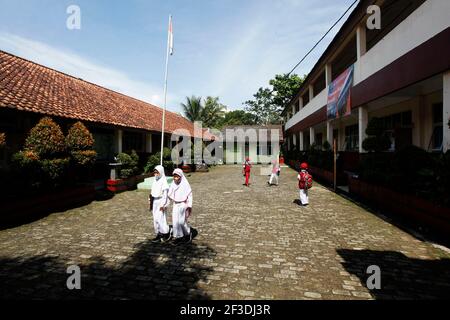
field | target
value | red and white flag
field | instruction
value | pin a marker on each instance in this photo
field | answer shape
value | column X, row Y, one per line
column 170, row 36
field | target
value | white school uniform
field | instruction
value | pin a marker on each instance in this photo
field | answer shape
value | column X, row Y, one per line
column 304, row 198
column 181, row 195
column 274, row 175
column 159, row 193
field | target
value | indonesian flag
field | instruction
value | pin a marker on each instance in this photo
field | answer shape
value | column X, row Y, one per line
column 170, row 36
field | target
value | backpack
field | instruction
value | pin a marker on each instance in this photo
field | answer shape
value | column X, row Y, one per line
column 306, row 180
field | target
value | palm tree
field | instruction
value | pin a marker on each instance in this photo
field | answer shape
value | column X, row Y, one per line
column 212, row 112
column 193, row 108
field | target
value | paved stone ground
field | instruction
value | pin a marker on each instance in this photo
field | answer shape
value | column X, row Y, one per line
column 253, row 243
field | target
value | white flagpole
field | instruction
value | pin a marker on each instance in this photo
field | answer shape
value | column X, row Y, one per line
column 165, row 87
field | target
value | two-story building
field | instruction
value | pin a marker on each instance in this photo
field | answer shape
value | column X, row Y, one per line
column 401, row 74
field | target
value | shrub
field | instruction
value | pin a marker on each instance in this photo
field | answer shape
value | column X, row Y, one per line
column 43, row 163
column 84, row 158
column 155, row 159
column 376, row 140
column 46, row 139
column 80, row 143
column 129, row 164
column 79, row 138
column 135, row 162
column 2, row 140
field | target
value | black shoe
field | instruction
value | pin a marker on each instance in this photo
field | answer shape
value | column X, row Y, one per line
column 166, row 237
column 157, row 238
column 178, row 241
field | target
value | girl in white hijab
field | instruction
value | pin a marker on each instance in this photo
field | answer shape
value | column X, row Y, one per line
column 160, row 188
column 180, row 193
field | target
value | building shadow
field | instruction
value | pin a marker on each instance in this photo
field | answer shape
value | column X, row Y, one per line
column 401, row 277
column 152, row 272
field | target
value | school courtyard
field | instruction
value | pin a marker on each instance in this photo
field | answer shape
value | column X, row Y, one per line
column 253, row 243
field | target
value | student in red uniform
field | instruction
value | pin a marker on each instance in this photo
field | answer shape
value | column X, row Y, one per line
column 304, row 183
column 246, row 170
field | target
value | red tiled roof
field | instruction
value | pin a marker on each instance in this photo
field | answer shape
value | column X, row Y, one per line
column 25, row 85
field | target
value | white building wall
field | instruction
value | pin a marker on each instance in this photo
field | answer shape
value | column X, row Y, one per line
column 431, row 18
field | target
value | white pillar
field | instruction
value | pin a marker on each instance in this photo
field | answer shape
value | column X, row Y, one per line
column 118, row 136
column 330, row 133
column 361, row 47
column 301, row 141
column 294, row 140
column 328, row 74
column 363, row 119
column 293, row 109
column 311, row 92
column 446, row 119
column 300, row 103
column 312, row 136
column 148, row 143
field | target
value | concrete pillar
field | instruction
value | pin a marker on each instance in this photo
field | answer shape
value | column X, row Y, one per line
column 446, row 119
column 312, row 136
column 118, row 136
column 301, row 141
column 148, row 143
column 293, row 109
column 311, row 92
column 330, row 133
column 300, row 103
column 328, row 74
column 361, row 47
column 363, row 119
column 294, row 140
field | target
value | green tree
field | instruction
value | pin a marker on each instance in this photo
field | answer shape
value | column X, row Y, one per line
column 193, row 108
column 212, row 112
column 285, row 87
column 263, row 108
column 237, row 117
column 268, row 103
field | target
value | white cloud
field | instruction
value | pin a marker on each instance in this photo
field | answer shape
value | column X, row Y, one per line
column 80, row 67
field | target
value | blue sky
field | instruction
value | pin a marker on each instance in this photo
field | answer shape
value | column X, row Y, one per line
column 225, row 48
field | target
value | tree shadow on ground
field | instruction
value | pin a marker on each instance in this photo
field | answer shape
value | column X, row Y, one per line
column 153, row 271
column 401, row 277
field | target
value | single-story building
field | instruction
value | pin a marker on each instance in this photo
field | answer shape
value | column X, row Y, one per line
column 119, row 123
column 260, row 143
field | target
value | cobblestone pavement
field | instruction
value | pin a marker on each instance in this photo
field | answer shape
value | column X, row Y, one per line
column 253, row 243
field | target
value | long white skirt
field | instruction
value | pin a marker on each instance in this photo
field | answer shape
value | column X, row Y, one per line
column 159, row 217
column 180, row 225
column 304, row 196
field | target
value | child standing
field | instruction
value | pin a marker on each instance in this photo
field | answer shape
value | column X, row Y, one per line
column 247, row 168
column 275, row 173
column 180, row 193
column 158, row 200
column 304, row 183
